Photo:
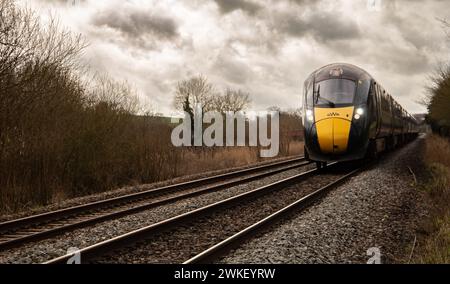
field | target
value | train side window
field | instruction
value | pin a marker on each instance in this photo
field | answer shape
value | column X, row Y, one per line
column 385, row 104
column 372, row 102
column 379, row 97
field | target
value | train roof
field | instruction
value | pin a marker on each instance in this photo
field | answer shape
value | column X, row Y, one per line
column 340, row 70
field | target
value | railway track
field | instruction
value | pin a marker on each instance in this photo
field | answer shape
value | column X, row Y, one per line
column 214, row 252
column 20, row 231
column 203, row 234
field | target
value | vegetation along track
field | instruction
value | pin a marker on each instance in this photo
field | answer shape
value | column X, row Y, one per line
column 17, row 232
column 214, row 227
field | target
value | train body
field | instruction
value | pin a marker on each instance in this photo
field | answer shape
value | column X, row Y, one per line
column 348, row 115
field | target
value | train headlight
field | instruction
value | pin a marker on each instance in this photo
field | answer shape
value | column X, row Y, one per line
column 309, row 115
column 360, row 111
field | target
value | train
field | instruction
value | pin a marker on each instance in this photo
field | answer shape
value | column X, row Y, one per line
column 348, row 116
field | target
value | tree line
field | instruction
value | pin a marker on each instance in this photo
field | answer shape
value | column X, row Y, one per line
column 437, row 99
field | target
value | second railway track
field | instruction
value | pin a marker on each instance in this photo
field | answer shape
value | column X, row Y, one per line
column 33, row 228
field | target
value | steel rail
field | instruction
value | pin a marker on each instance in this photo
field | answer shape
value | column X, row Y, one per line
column 36, row 234
column 226, row 245
column 107, row 246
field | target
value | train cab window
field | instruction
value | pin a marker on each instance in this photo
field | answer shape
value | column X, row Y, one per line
column 362, row 92
column 334, row 92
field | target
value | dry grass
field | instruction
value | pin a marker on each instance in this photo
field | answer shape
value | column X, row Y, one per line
column 296, row 148
column 193, row 162
column 437, row 150
column 434, row 246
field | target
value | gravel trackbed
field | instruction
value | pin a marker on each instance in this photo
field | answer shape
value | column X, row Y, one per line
column 376, row 211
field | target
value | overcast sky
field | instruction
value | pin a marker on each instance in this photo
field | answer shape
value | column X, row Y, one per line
column 265, row 47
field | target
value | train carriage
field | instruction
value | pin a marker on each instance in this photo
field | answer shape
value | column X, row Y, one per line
column 348, row 115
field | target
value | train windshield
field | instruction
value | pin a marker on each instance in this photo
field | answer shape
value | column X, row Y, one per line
column 333, row 92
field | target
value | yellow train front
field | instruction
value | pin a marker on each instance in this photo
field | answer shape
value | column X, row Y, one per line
column 347, row 116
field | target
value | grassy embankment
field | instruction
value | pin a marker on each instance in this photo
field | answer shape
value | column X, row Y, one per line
column 433, row 244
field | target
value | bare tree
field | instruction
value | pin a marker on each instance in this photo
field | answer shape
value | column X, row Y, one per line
column 25, row 42
column 192, row 92
column 197, row 90
column 118, row 95
column 231, row 100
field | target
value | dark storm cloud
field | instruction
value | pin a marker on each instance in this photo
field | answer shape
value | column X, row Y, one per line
column 267, row 47
column 228, row 6
column 137, row 23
